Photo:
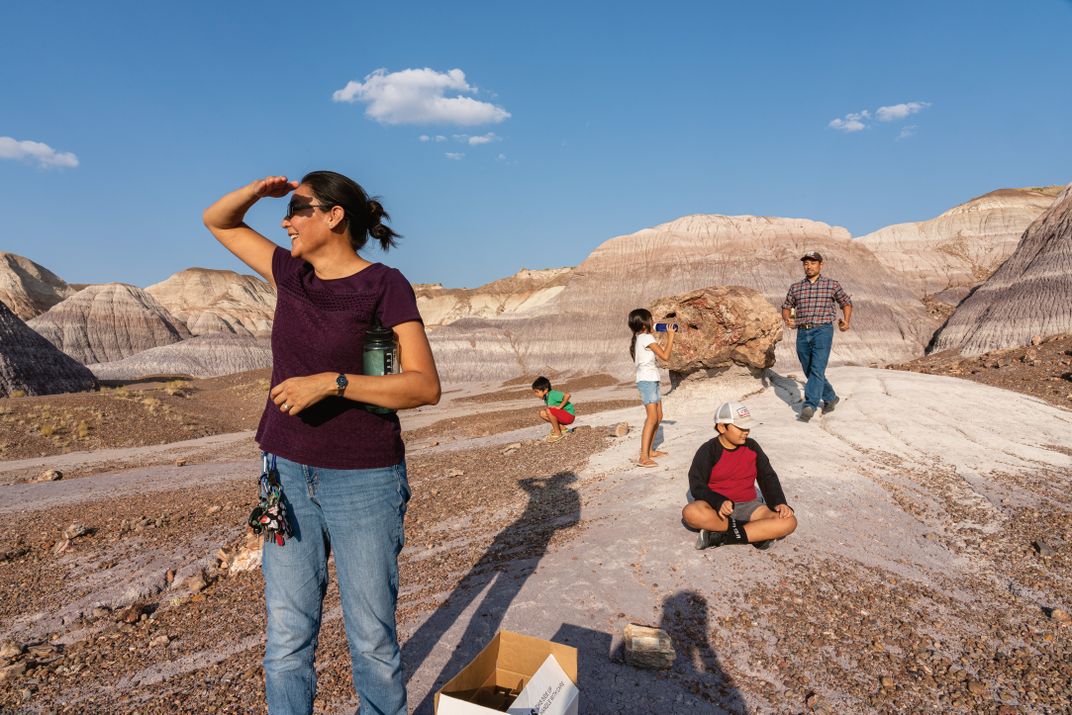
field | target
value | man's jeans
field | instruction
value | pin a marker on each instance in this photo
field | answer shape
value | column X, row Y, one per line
column 813, row 350
column 357, row 513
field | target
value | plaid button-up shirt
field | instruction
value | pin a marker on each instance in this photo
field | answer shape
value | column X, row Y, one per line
column 815, row 301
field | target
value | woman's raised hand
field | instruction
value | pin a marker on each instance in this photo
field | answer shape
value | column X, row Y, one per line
column 273, row 186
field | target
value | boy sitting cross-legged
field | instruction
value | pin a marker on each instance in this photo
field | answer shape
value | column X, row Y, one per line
column 559, row 410
column 722, row 480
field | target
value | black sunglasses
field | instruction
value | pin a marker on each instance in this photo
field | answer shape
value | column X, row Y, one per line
column 293, row 208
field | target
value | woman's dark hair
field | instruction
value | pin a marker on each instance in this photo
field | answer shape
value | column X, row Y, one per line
column 639, row 320
column 541, row 383
column 364, row 215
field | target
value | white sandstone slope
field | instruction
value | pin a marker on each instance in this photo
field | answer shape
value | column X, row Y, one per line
column 215, row 301
column 523, row 292
column 944, row 257
column 108, row 322
column 1029, row 295
column 203, row 356
column 583, row 328
column 27, row 288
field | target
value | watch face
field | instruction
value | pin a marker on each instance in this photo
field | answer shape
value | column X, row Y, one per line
column 341, row 382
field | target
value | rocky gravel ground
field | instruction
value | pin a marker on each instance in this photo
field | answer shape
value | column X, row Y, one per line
column 1043, row 369
column 136, row 613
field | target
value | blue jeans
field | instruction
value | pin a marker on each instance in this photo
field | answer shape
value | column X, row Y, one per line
column 358, row 512
column 813, row 350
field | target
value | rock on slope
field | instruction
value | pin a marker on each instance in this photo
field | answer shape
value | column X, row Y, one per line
column 943, row 258
column 27, row 288
column 33, row 365
column 215, row 301
column 203, row 356
column 108, row 322
column 522, row 292
column 1029, row 295
column 583, row 328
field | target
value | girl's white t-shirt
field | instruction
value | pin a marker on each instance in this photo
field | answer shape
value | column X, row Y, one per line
column 646, row 369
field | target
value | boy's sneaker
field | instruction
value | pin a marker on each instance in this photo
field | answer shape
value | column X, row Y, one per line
column 708, row 539
column 764, row 545
column 829, row 406
column 806, row 413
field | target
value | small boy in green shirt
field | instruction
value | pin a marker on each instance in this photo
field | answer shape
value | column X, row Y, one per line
column 559, row 410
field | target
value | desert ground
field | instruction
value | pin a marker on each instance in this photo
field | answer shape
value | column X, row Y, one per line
column 930, row 571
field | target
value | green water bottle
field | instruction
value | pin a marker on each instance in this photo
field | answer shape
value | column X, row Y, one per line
column 380, row 357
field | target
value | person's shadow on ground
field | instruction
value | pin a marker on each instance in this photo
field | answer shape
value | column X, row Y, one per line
column 787, row 389
column 502, row 570
column 685, row 620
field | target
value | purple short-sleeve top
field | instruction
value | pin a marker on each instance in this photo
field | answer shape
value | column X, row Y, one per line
column 320, row 326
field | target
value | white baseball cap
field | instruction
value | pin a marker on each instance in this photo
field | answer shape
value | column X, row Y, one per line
column 734, row 413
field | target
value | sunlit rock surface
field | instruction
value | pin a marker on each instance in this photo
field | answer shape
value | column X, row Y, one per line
column 215, row 301
column 29, row 289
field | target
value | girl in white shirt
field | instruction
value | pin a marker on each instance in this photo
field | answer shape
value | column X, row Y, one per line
column 644, row 349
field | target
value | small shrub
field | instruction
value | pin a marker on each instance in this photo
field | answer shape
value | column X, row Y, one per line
column 18, row 393
column 46, row 430
column 83, row 429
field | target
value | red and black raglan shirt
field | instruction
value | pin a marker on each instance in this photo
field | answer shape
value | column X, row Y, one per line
column 718, row 474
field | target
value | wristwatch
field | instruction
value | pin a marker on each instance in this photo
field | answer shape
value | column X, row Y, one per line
column 340, row 383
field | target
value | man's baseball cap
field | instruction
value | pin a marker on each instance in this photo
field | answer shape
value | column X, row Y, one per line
column 734, row 413
column 812, row 256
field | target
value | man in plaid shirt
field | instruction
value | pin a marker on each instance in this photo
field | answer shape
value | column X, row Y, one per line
column 813, row 299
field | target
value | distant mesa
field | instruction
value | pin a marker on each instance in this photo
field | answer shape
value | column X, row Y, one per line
column 582, row 328
column 32, row 365
column 27, row 288
column 203, row 356
column 1029, row 295
column 942, row 259
column 525, row 291
column 108, row 322
column 214, row 301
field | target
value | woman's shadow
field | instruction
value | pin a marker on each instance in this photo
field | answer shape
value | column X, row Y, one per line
column 502, row 570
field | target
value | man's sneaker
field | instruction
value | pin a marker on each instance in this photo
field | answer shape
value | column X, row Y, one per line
column 764, row 545
column 707, row 539
column 806, row 413
column 829, row 406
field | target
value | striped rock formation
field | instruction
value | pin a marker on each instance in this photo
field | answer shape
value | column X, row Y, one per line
column 215, row 301
column 27, row 288
column 204, row 356
column 943, row 258
column 33, row 365
column 1029, row 295
column 583, row 328
column 108, row 322
column 523, row 292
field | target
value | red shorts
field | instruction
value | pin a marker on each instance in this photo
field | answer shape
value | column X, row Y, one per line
column 563, row 417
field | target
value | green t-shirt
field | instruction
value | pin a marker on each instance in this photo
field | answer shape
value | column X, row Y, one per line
column 554, row 397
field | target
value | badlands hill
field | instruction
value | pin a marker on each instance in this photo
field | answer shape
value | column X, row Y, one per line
column 1029, row 296
column 215, row 301
column 108, row 322
column 32, row 365
column 27, row 288
column 943, row 258
column 524, row 291
column 582, row 328
column 209, row 355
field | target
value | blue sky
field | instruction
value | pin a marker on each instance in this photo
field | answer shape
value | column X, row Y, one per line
column 620, row 116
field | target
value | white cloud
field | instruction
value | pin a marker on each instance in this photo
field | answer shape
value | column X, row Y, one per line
column 418, row 96
column 900, row 111
column 440, row 138
column 456, row 156
column 424, row 137
column 43, row 154
column 501, row 157
column 908, row 131
column 484, row 139
column 852, row 122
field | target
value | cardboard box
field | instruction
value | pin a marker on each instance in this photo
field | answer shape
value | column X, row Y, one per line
column 517, row 674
